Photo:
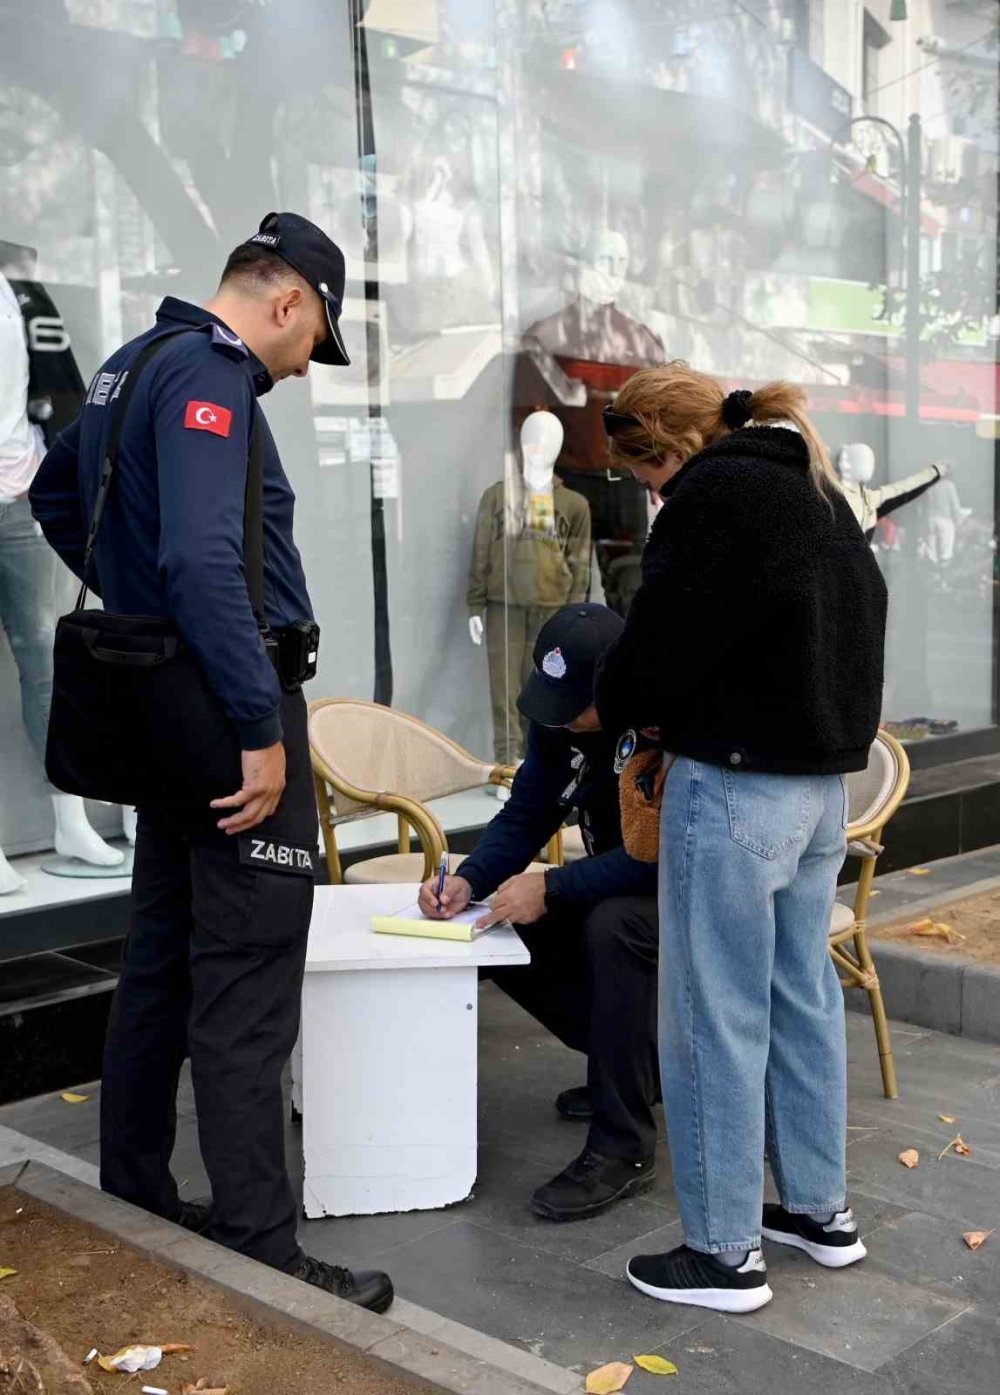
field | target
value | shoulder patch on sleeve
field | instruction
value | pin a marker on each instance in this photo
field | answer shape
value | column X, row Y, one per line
column 208, row 416
column 229, row 343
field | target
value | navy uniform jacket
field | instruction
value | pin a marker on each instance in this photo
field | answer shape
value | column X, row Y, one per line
column 562, row 770
column 171, row 543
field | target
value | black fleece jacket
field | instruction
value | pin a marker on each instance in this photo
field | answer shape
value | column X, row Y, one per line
column 756, row 639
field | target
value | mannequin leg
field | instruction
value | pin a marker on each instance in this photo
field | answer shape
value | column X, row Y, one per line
column 76, row 838
column 9, row 879
column 130, row 818
column 504, row 643
column 27, row 612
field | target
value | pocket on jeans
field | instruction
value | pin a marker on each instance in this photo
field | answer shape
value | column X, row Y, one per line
column 768, row 814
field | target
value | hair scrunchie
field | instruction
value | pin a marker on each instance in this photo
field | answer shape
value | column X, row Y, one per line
column 736, row 411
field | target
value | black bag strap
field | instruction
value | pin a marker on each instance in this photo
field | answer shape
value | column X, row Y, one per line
column 253, row 501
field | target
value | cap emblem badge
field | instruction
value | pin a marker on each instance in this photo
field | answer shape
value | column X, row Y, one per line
column 554, row 665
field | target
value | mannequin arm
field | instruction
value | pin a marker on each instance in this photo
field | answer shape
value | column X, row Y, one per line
column 893, row 496
column 578, row 556
column 479, row 567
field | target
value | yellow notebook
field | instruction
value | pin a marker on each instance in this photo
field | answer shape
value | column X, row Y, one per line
column 412, row 921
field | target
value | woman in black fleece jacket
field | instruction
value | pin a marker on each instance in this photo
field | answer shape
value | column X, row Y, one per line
column 754, row 648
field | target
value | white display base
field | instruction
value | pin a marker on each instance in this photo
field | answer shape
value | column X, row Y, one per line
column 75, row 867
column 386, row 1077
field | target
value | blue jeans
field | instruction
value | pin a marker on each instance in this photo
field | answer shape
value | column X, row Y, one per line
column 752, row 1045
column 28, row 612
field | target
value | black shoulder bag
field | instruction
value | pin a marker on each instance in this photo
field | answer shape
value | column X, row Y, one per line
column 133, row 718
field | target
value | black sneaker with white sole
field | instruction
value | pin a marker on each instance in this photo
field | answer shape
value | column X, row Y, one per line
column 688, row 1276
column 834, row 1244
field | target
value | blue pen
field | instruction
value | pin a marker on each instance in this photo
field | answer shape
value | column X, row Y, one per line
column 442, row 874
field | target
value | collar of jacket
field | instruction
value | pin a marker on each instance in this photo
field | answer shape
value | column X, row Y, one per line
column 774, row 443
column 185, row 313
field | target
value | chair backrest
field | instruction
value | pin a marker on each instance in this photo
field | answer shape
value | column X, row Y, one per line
column 370, row 750
column 875, row 793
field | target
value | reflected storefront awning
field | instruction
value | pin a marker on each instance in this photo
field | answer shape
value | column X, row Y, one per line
column 657, row 125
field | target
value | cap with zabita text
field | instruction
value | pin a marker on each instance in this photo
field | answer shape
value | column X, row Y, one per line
column 565, row 659
column 308, row 250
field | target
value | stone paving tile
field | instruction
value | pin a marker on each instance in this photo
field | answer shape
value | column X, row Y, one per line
column 555, row 1308
column 501, row 1202
column 930, row 1252
column 51, row 1120
column 961, row 1358
column 859, row 1316
column 959, row 1190
column 723, row 1357
column 656, row 1242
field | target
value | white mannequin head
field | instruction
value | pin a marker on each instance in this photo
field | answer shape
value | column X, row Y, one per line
column 856, row 463
column 605, row 266
column 541, row 442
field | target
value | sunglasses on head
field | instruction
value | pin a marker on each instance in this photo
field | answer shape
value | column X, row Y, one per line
column 617, row 422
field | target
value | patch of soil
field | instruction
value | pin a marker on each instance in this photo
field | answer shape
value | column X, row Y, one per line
column 977, row 918
column 84, row 1288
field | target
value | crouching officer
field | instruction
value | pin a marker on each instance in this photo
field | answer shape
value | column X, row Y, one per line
column 591, row 926
column 221, row 896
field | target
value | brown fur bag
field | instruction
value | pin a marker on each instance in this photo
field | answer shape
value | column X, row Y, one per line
column 640, row 795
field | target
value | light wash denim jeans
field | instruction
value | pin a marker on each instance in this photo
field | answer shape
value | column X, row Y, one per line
column 27, row 612
column 752, row 1044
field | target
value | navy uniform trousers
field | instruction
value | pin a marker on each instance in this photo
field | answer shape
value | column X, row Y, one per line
column 214, row 959
column 592, row 982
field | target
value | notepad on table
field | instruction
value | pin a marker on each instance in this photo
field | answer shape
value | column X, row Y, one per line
column 412, row 921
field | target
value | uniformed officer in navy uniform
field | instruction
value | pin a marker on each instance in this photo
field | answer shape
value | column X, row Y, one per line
column 222, row 896
column 591, row 926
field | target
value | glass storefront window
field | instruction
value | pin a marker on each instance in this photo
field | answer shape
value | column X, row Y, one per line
column 534, row 200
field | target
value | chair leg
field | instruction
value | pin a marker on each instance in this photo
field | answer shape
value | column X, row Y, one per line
column 879, row 1018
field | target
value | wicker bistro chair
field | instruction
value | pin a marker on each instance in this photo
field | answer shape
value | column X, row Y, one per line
column 873, row 795
column 369, row 759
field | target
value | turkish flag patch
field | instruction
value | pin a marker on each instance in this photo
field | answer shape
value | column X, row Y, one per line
column 206, row 416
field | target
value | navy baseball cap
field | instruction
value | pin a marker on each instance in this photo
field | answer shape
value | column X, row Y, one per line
column 309, row 251
column 565, row 658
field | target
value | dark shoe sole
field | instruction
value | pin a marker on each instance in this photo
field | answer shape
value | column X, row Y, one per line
column 633, row 1188
column 572, row 1116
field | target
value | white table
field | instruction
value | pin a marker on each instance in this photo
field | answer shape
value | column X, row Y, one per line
column 386, row 1071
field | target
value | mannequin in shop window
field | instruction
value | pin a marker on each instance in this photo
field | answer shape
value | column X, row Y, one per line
column 35, row 390
column 531, row 556
column 575, row 361
column 856, row 468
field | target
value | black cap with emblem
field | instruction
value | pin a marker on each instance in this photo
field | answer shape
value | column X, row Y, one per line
column 309, row 251
column 565, row 659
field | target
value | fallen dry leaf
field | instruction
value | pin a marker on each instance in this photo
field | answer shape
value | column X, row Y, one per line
column 6, row 1273
column 656, row 1365
column 947, row 1118
column 607, row 1379
column 203, row 1388
column 933, row 930
column 909, row 1157
column 974, row 1238
column 960, row 1147
column 71, row 1098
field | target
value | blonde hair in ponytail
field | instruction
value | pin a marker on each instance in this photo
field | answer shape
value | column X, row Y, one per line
column 679, row 409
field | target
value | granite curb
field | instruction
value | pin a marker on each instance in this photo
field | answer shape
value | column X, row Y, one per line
column 409, row 1338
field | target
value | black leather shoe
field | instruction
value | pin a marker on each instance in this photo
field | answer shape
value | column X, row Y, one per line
column 195, row 1216
column 575, row 1105
column 590, row 1185
column 368, row 1288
